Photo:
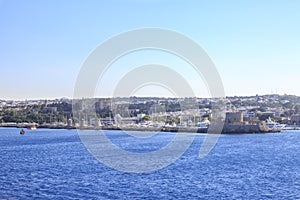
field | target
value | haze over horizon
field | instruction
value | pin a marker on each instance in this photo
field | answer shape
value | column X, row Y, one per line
column 98, row 97
column 254, row 45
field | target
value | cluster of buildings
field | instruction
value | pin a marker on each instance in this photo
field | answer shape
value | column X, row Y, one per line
column 172, row 112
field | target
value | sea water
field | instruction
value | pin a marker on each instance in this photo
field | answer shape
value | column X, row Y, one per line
column 54, row 164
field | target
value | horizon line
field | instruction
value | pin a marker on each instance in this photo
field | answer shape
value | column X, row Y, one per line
column 137, row 96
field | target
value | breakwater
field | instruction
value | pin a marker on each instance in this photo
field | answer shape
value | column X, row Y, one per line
column 227, row 128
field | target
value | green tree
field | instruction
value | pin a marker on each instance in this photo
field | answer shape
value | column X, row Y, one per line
column 147, row 118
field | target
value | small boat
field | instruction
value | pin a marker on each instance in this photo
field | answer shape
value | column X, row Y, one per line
column 33, row 127
column 22, row 132
column 274, row 126
column 203, row 124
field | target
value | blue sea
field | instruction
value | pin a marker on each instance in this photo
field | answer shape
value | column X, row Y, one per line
column 54, row 164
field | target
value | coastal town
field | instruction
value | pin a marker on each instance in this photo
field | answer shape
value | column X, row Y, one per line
column 252, row 114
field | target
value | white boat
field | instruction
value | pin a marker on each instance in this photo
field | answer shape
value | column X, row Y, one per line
column 203, row 124
column 274, row 126
column 33, row 127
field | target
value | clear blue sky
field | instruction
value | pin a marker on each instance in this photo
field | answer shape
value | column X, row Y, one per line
column 254, row 44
